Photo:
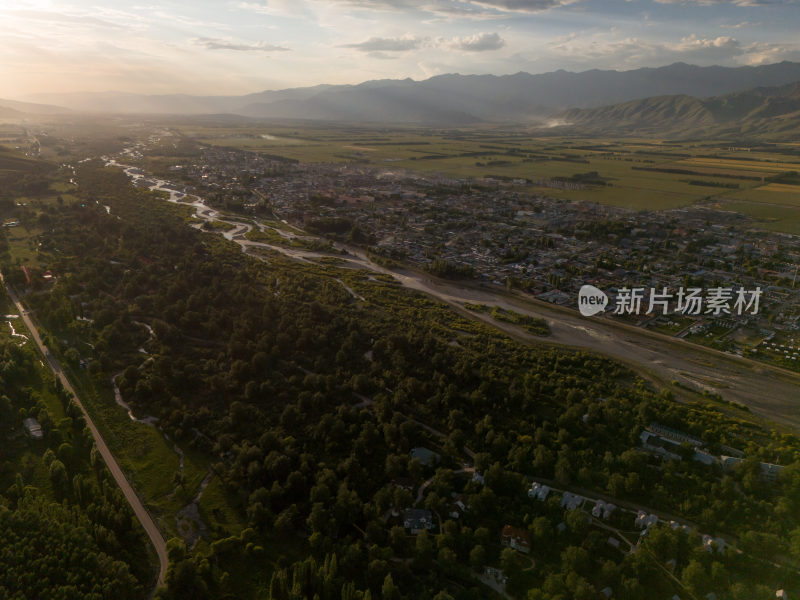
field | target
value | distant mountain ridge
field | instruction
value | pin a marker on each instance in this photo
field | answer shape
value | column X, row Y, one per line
column 451, row 99
column 773, row 111
column 15, row 108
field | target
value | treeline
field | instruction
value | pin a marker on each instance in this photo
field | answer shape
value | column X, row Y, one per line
column 441, row 267
column 717, row 184
column 676, row 171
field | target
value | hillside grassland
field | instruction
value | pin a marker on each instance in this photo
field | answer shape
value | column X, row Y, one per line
column 634, row 173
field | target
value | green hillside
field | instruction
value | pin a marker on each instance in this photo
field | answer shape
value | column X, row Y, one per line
column 765, row 113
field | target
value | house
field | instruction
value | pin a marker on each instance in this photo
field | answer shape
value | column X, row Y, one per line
column 478, row 478
column 518, row 539
column 613, row 542
column 571, row 501
column 782, row 594
column 603, row 510
column 606, row 593
column 538, row 491
column 427, row 457
column 710, row 544
column 458, row 507
column 645, row 521
column 417, row 520
column 685, row 528
column 32, row 428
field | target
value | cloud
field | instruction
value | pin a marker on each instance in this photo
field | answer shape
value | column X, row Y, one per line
column 529, row 6
column 465, row 8
column 734, row 2
column 377, row 44
column 739, row 25
column 609, row 51
column 693, row 49
column 480, row 42
column 220, row 44
column 298, row 9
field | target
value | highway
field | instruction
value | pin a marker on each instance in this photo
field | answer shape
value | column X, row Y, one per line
column 113, row 466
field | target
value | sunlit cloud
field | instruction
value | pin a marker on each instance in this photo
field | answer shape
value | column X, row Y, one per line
column 480, row 42
column 376, row 44
column 218, row 44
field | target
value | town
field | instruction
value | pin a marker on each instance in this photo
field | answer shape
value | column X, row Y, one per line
column 497, row 231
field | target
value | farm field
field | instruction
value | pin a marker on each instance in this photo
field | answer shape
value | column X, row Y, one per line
column 639, row 174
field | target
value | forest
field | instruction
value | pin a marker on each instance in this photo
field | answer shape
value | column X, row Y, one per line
column 308, row 400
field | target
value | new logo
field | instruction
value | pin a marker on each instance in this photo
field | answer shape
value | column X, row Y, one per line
column 591, row 300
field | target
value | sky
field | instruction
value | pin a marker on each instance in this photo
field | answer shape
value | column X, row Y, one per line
column 231, row 47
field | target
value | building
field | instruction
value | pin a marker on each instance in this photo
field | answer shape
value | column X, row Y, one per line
column 538, row 491
column 518, row 539
column 571, row 501
column 417, row 520
column 769, row 471
column 603, row 510
column 33, row 429
column 710, row 544
column 645, row 521
column 674, row 435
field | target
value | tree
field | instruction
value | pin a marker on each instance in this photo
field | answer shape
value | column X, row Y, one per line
column 58, row 475
column 389, row 591
column 694, row 577
column 477, row 556
column 511, row 563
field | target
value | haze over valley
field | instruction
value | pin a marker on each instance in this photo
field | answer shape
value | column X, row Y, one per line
column 440, row 300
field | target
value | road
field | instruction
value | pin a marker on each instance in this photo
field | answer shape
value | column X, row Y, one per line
column 139, row 510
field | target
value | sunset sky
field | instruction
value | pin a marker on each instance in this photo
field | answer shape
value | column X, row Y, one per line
column 238, row 46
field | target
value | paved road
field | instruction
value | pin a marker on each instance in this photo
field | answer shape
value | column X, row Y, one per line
column 130, row 494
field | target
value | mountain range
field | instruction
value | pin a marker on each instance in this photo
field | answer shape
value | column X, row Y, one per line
column 678, row 100
column 445, row 99
column 773, row 111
